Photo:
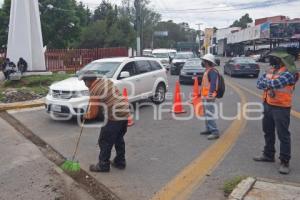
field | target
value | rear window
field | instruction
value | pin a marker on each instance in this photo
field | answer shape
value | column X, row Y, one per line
column 184, row 55
column 245, row 60
column 155, row 65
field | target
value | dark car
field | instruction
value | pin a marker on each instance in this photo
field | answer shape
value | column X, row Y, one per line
column 179, row 60
column 241, row 66
column 192, row 69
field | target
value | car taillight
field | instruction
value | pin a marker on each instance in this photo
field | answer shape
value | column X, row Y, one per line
column 237, row 66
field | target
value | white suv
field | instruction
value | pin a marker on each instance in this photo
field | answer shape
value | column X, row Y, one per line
column 142, row 77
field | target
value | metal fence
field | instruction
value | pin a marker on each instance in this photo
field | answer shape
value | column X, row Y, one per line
column 74, row 59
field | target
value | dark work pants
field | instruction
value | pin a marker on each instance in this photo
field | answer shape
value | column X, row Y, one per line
column 277, row 118
column 112, row 135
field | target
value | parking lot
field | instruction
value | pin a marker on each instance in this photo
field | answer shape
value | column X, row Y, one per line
column 160, row 152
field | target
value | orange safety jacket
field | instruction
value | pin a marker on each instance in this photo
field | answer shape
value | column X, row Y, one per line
column 205, row 86
column 278, row 97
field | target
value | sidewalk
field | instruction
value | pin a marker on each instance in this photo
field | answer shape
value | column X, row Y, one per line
column 26, row 174
column 261, row 189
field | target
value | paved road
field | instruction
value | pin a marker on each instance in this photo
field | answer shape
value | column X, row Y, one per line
column 158, row 150
column 239, row 161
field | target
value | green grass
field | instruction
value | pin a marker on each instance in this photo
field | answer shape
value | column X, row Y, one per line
column 38, row 84
column 230, row 184
column 36, row 81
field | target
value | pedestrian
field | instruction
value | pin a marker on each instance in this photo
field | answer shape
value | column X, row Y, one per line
column 5, row 68
column 278, row 84
column 106, row 99
column 208, row 95
column 22, row 65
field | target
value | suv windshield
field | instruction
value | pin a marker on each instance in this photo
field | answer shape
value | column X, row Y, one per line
column 102, row 68
column 161, row 55
column 183, row 55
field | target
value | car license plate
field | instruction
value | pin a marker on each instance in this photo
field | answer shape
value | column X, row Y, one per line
column 195, row 74
column 56, row 108
column 247, row 67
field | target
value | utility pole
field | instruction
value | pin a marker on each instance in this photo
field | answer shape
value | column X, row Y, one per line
column 199, row 27
column 137, row 5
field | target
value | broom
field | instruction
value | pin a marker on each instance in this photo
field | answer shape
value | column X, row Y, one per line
column 72, row 165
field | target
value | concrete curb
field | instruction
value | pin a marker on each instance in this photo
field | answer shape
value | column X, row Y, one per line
column 21, row 105
column 242, row 189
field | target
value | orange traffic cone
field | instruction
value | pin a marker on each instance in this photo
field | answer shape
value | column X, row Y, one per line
column 130, row 118
column 177, row 104
column 195, row 91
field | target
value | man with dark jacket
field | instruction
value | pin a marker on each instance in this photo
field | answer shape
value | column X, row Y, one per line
column 105, row 98
column 278, row 85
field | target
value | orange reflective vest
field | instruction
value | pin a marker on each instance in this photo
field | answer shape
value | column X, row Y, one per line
column 278, row 97
column 205, row 86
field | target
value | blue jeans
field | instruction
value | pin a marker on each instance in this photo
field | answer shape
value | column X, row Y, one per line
column 209, row 112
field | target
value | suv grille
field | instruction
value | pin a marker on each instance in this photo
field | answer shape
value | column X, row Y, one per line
column 58, row 94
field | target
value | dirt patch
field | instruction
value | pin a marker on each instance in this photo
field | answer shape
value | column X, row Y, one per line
column 18, row 95
column 96, row 189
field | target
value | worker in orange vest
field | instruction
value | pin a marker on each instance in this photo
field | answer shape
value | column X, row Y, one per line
column 208, row 95
column 278, row 84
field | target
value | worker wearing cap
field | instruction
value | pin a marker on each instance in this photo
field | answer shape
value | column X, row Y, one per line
column 208, row 95
column 106, row 100
column 278, row 85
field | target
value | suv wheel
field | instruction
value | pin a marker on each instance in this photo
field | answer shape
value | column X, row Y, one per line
column 160, row 94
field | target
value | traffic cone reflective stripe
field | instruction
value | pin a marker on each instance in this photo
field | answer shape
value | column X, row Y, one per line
column 177, row 104
column 130, row 118
column 195, row 91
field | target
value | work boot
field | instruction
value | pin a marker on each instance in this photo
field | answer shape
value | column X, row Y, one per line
column 205, row 133
column 98, row 168
column 119, row 164
column 284, row 168
column 263, row 158
column 213, row 137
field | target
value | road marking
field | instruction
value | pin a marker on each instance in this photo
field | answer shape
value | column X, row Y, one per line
column 293, row 112
column 182, row 186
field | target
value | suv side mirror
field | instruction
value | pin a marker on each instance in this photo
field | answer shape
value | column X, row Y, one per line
column 124, row 74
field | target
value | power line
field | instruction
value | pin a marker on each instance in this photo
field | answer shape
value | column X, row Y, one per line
column 264, row 4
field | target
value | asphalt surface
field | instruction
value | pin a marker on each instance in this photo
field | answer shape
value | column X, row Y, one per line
column 239, row 161
column 157, row 150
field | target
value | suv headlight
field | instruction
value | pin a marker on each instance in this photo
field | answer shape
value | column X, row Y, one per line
column 82, row 93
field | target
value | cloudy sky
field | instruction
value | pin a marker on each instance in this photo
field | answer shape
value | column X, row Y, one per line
column 219, row 13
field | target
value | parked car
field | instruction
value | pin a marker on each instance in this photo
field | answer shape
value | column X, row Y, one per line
column 241, row 66
column 143, row 77
column 164, row 55
column 179, row 61
column 192, row 69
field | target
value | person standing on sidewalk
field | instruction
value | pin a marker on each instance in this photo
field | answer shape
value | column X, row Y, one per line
column 278, row 84
column 106, row 100
column 208, row 95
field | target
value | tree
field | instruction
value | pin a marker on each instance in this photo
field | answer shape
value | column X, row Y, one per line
column 60, row 23
column 242, row 22
column 4, row 21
